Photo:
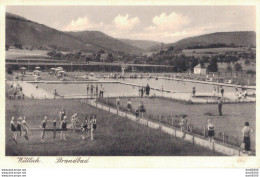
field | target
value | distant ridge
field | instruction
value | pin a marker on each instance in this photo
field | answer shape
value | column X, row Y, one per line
column 240, row 38
column 19, row 30
column 100, row 39
column 143, row 44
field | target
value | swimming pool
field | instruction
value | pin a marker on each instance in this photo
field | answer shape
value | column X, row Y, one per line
column 130, row 87
column 110, row 89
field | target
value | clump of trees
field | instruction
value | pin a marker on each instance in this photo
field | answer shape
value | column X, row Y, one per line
column 213, row 65
column 237, row 67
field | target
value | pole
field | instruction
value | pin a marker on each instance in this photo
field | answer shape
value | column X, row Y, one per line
column 223, row 137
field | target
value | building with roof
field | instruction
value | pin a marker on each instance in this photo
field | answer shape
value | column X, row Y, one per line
column 199, row 69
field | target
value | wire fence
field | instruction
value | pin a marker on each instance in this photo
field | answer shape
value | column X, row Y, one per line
column 174, row 121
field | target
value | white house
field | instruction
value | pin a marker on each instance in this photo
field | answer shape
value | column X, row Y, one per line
column 200, row 70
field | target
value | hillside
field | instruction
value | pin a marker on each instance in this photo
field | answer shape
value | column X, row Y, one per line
column 143, row 44
column 243, row 38
column 22, row 31
column 105, row 41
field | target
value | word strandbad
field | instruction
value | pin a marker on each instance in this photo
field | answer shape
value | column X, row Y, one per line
column 76, row 160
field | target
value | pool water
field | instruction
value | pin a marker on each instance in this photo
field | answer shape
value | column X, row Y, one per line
column 110, row 89
column 176, row 86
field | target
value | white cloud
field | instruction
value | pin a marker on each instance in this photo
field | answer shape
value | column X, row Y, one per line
column 164, row 22
column 82, row 23
column 124, row 22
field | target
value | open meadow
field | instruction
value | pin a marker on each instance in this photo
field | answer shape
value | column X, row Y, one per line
column 114, row 136
column 232, row 121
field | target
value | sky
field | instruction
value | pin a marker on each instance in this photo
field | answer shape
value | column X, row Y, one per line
column 158, row 23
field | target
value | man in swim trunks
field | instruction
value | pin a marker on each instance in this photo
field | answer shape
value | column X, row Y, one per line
column 142, row 109
column 142, row 92
column 129, row 105
column 246, row 131
column 147, row 90
column 91, row 89
column 87, row 88
column 193, row 91
column 222, row 91
column 43, row 125
column 63, row 128
column 220, row 103
column 96, row 89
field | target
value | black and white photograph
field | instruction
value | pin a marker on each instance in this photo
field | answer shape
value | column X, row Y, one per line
column 115, row 80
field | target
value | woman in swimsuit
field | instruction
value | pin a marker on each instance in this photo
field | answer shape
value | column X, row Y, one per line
column 13, row 129
column 211, row 132
column 25, row 128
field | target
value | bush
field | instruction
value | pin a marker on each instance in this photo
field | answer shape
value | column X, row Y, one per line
column 9, row 70
column 237, row 67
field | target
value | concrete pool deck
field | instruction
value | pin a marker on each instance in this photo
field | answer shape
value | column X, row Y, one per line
column 31, row 91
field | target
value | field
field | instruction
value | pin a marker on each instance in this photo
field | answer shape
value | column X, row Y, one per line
column 18, row 53
column 115, row 136
column 232, row 121
column 221, row 49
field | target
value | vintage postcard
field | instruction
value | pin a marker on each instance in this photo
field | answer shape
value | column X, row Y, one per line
column 132, row 84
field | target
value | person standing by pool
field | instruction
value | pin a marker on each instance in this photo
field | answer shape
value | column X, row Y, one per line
column 211, row 132
column 193, row 91
column 220, row 103
column 246, row 131
column 91, row 88
column 43, row 125
column 25, row 128
column 118, row 103
column 147, row 90
column 101, row 91
column 62, row 114
column 63, row 128
column 13, row 129
column 222, row 91
column 142, row 92
column 87, row 88
column 96, row 89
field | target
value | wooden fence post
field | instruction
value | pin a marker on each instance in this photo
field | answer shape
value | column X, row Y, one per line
column 223, row 137
column 204, row 131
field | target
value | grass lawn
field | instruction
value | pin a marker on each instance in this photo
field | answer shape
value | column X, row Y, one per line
column 232, row 121
column 115, row 136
